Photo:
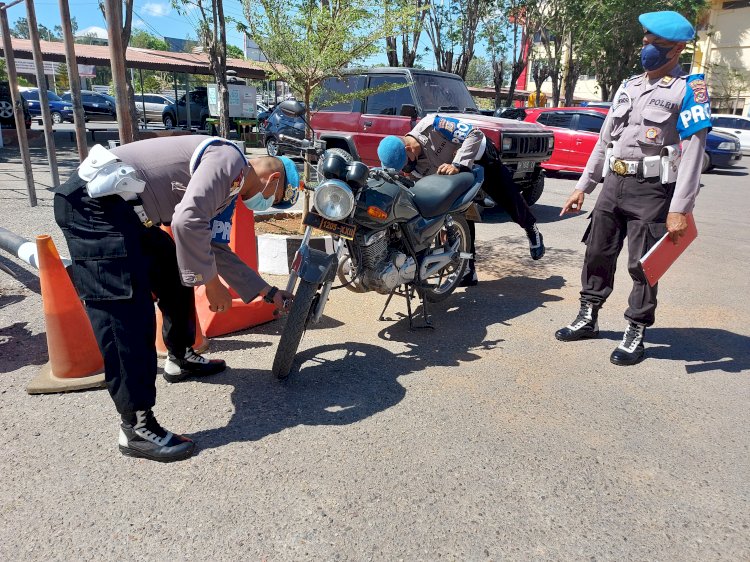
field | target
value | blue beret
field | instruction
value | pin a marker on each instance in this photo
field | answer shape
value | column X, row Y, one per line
column 392, row 152
column 291, row 184
column 668, row 25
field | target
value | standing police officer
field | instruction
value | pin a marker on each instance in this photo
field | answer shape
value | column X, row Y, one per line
column 648, row 187
column 109, row 211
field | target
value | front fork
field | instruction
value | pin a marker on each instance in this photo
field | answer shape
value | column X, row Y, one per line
column 326, row 282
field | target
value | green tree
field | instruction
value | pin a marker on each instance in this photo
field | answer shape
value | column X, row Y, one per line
column 479, row 73
column 145, row 40
column 452, row 27
column 407, row 35
column 234, row 52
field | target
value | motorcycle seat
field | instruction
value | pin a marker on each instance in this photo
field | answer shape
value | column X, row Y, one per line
column 435, row 195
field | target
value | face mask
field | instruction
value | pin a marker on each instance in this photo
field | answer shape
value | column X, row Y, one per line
column 259, row 203
column 653, row 57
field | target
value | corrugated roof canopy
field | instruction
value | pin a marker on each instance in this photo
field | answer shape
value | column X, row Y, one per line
column 146, row 59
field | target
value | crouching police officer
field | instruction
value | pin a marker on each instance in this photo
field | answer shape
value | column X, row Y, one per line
column 109, row 211
column 445, row 145
column 648, row 187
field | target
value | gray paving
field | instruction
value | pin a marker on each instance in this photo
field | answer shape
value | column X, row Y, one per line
column 484, row 440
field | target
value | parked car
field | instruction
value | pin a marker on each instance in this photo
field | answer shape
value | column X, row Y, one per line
column 7, row 119
column 576, row 131
column 358, row 126
column 175, row 114
column 60, row 111
column 734, row 125
column 154, row 105
column 280, row 124
column 722, row 151
column 517, row 113
column 96, row 106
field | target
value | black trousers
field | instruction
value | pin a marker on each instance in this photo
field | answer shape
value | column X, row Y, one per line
column 499, row 184
column 119, row 265
column 632, row 209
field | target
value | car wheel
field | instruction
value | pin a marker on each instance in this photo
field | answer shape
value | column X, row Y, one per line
column 272, row 147
column 706, row 166
column 6, row 109
column 168, row 122
column 57, row 117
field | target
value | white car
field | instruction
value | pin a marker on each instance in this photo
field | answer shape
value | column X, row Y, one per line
column 154, row 104
column 735, row 125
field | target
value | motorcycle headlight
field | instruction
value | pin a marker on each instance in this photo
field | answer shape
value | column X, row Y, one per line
column 333, row 200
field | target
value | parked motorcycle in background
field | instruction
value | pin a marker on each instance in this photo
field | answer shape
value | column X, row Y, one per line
column 391, row 236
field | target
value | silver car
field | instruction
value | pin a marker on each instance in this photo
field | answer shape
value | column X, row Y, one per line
column 154, row 104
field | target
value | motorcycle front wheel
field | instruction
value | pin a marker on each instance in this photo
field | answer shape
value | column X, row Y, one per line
column 439, row 286
column 295, row 325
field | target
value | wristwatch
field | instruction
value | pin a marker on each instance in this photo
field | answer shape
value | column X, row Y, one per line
column 268, row 297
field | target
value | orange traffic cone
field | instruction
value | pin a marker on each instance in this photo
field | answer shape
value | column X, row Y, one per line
column 200, row 345
column 241, row 316
column 75, row 362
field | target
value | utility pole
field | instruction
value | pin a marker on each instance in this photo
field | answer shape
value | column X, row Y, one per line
column 113, row 12
column 79, row 118
column 10, row 60
column 49, row 135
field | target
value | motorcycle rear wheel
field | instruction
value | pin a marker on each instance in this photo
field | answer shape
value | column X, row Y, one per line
column 440, row 286
column 292, row 332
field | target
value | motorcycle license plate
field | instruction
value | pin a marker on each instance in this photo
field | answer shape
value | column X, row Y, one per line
column 340, row 229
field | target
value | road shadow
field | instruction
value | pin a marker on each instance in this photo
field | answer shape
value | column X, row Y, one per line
column 460, row 322
column 336, row 384
column 706, row 349
column 19, row 347
column 544, row 214
column 729, row 173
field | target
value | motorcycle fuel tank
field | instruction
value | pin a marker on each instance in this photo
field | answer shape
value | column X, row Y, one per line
column 392, row 198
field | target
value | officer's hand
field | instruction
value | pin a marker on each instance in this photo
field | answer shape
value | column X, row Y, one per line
column 447, row 170
column 574, row 204
column 676, row 226
column 282, row 300
column 218, row 296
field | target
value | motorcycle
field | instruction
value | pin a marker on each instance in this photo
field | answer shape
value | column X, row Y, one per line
column 391, row 235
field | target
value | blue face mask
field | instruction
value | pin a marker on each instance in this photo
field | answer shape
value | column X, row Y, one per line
column 259, row 203
column 653, row 57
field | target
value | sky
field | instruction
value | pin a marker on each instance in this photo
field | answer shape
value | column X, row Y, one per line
column 155, row 16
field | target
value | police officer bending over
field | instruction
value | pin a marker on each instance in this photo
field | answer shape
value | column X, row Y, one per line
column 109, row 212
column 445, row 145
column 648, row 187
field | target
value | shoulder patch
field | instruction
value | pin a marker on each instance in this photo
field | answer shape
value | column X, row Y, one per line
column 451, row 128
column 700, row 90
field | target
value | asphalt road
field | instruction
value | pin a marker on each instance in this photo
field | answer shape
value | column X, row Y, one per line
column 486, row 439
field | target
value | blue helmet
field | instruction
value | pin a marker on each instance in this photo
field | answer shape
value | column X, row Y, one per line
column 668, row 25
column 392, row 152
column 291, row 184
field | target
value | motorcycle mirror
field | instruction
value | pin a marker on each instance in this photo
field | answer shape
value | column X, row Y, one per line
column 292, row 108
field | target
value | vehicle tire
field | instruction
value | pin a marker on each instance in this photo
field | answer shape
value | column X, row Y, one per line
column 6, row 110
column 57, row 117
column 452, row 273
column 272, row 146
column 203, row 123
column 535, row 190
column 292, row 332
column 706, row 166
column 168, row 122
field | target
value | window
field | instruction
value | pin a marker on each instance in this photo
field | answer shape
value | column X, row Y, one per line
column 88, row 98
column 388, row 103
column 30, row 95
column 560, row 119
column 336, row 86
column 590, row 123
column 743, row 124
column 723, row 122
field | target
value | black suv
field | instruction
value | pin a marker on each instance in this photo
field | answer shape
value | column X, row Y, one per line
column 7, row 120
column 175, row 114
column 96, row 105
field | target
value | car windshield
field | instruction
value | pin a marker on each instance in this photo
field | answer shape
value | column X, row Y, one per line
column 52, row 96
column 443, row 93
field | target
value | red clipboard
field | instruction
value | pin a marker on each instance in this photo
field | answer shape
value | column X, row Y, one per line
column 664, row 253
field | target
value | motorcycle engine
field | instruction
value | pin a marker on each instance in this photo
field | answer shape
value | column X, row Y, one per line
column 384, row 267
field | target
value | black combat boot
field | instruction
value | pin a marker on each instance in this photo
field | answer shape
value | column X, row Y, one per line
column 192, row 365
column 470, row 278
column 630, row 351
column 536, row 242
column 141, row 436
column 585, row 326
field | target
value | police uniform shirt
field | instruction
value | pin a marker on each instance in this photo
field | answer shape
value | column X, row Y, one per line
column 188, row 202
column 445, row 140
column 648, row 115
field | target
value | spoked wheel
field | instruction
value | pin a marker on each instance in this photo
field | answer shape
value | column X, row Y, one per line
column 291, row 335
column 440, row 285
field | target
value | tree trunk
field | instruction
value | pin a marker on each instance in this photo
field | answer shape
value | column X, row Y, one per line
column 498, row 72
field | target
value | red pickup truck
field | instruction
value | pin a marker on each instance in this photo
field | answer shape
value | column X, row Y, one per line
column 359, row 126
